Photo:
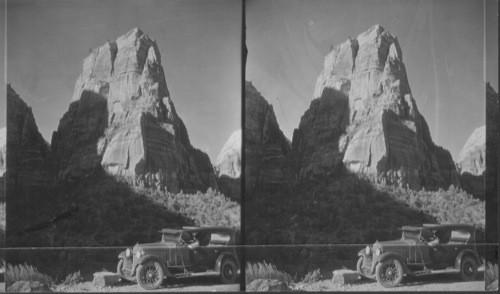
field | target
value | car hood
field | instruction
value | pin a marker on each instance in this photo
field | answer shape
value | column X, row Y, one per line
column 396, row 243
column 153, row 246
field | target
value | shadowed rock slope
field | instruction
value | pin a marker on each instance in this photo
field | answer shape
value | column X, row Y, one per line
column 364, row 117
column 265, row 145
column 123, row 120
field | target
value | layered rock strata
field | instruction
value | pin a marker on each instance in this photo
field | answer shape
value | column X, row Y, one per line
column 123, row 120
column 228, row 166
column 363, row 117
column 266, row 147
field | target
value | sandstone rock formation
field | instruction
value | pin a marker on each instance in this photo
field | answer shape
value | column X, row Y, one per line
column 471, row 163
column 265, row 145
column 123, row 120
column 27, row 149
column 472, row 156
column 364, row 118
column 229, row 159
column 3, row 161
column 228, row 167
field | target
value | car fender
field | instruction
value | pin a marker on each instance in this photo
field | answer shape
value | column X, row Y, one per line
column 149, row 257
column 462, row 254
column 387, row 255
column 362, row 252
column 123, row 255
column 218, row 262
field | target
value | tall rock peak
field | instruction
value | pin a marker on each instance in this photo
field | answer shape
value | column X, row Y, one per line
column 364, row 117
column 472, row 156
column 266, row 147
column 229, row 159
column 27, row 149
column 122, row 119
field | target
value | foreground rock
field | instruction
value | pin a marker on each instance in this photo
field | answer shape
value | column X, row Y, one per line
column 264, row 285
column 345, row 276
column 28, row 286
column 123, row 120
column 105, row 279
column 265, row 145
column 228, row 167
column 471, row 163
column 364, row 118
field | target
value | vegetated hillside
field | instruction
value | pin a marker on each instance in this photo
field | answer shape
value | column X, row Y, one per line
column 349, row 209
column 105, row 212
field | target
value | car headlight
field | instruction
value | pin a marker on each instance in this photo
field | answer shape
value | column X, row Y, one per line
column 378, row 251
column 368, row 249
column 139, row 254
column 128, row 253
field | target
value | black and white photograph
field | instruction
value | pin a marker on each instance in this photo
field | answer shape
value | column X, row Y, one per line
column 365, row 144
column 123, row 137
column 249, row 146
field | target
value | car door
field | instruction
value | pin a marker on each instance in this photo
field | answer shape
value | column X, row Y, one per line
column 444, row 252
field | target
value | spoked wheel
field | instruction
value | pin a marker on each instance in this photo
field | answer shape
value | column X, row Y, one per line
column 389, row 273
column 228, row 271
column 363, row 271
column 468, row 269
column 150, row 275
column 121, row 273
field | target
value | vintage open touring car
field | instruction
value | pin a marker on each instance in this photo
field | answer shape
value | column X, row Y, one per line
column 421, row 250
column 182, row 252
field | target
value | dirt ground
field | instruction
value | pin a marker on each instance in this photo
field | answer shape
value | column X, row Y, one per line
column 200, row 284
column 446, row 281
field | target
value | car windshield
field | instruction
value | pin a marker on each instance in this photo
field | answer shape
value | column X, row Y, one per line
column 410, row 234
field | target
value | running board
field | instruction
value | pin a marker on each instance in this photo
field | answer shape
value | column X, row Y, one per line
column 200, row 274
column 422, row 273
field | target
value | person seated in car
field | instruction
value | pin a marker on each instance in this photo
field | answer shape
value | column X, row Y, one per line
column 194, row 242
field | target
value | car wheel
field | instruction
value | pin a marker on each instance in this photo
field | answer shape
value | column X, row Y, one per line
column 150, row 275
column 364, row 272
column 119, row 271
column 228, row 271
column 468, row 268
column 389, row 273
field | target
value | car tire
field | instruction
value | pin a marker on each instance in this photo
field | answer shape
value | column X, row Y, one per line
column 119, row 271
column 150, row 275
column 468, row 268
column 361, row 271
column 228, row 271
column 389, row 273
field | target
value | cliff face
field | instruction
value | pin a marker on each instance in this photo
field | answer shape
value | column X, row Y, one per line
column 472, row 156
column 123, row 121
column 363, row 117
column 27, row 150
column 266, row 147
column 228, row 167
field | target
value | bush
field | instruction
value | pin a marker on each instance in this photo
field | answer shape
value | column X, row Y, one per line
column 25, row 273
column 312, row 277
column 263, row 270
column 73, row 279
column 491, row 276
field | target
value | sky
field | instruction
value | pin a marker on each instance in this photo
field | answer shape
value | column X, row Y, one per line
column 199, row 43
column 443, row 44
